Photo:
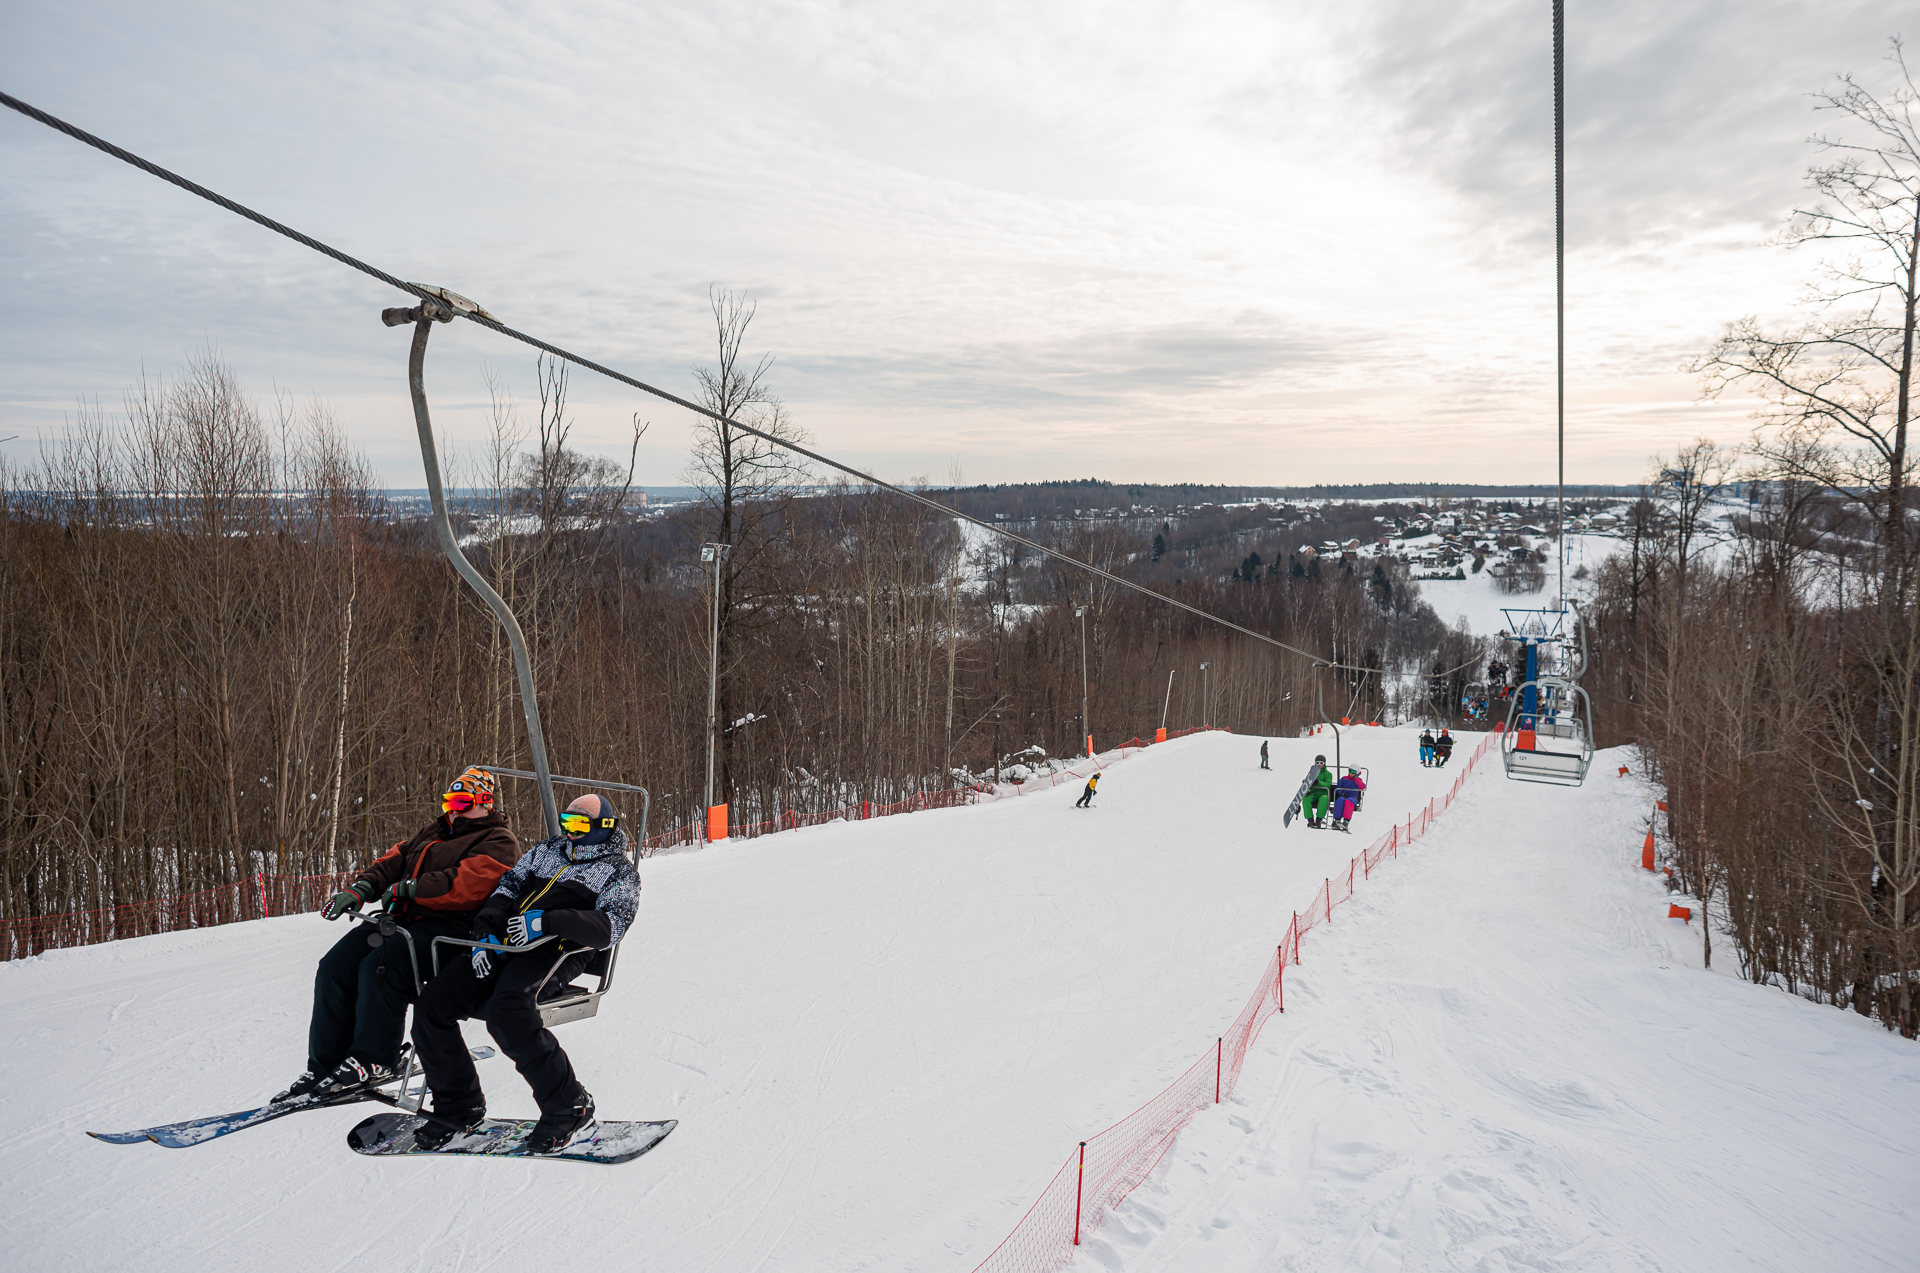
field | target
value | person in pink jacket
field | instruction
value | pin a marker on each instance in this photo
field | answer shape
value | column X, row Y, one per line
column 1346, row 798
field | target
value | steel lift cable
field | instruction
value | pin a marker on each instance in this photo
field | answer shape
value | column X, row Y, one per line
column 473, row 313
column 1560, row 275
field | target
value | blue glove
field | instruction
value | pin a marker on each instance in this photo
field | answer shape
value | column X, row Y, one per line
column 482, row 962
column 524, row 928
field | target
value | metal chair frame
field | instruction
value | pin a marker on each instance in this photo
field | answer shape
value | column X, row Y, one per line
column 1565, row 718
column 577, row 1005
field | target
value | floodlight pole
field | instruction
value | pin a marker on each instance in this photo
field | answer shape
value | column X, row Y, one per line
column 1080, row 613
column 423, row 316
column 717, row 555
column 1206, row 697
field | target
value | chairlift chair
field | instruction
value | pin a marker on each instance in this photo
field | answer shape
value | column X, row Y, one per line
column 558, row 1004
column 566, row 1002
column 1553, row 743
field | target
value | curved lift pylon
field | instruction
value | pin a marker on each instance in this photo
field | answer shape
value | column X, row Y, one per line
column 558, row 1004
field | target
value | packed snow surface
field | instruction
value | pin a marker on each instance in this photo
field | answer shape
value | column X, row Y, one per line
column 882, row 1039
column 1503, row 1055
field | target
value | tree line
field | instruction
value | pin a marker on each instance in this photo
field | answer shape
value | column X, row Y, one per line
column 220, row 652
column 1773, row 679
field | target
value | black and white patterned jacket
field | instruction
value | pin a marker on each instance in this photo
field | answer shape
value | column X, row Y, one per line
column 587, row 894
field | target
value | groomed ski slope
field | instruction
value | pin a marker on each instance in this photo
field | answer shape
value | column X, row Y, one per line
column 1502, row 1055
column 882, row 1039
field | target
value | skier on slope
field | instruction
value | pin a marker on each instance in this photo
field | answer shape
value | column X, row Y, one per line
column 1346, row 798
column 1426, row 747
column 1263, row 755
column 1086, row 797
column 433, row 883
column 578, row 886
column 1443, row 747
column 1319, row 793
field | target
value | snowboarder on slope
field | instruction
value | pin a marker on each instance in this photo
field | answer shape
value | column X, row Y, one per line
column 1319, row 793
column 1086, row 797
column 1346, row 795
column 1263, row 755
column 577, row 886
column 1426, row 747
column 433, row 883
column 1443, row 747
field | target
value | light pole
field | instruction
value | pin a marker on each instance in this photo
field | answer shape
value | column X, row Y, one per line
column 716, row 816
column 1206, row 700
column 1165, row 703
column 1080, row 613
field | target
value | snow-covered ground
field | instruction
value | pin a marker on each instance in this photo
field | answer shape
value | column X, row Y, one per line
column 1502, row 1055
column 1477, row 599
column 882, row 1038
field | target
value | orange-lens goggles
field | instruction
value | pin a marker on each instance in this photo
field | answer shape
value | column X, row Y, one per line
column 460, row 801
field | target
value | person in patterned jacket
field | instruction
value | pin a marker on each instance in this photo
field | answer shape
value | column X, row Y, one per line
column 433, row 884
column 578, row 887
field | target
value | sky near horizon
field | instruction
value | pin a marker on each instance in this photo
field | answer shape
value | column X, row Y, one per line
column 1272, row 243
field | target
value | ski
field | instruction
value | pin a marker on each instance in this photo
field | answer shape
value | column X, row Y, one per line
column 391, row 1136
column 198, row 1131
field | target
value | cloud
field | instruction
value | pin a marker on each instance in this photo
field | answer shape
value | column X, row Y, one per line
column 1283, row 238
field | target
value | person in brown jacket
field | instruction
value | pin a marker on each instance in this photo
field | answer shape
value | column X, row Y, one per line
column 433, row 884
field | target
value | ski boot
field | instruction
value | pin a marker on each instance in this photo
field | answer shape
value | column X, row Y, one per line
column 353, row 1077
column 299, row 1089
column 560, row 1127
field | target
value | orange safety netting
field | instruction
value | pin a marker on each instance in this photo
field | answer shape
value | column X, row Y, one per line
column 1108, row 1165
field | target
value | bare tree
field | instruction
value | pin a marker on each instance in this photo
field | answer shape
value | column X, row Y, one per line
column 1843, row 380
column 746, row 488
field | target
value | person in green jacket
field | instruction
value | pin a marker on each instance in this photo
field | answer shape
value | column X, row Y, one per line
column 1320, row 794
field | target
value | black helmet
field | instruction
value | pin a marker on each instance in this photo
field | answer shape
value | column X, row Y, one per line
column 1320, row 759
column 593, row 819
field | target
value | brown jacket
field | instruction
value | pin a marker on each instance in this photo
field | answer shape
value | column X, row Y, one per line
column 457, row 864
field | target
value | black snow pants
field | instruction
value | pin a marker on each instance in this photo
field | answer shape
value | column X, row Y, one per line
column 361, row 993
column 504, row 1001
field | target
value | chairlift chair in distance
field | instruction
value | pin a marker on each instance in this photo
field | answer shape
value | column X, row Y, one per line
column 1549, row 736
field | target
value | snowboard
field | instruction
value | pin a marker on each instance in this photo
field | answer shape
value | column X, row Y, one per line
column 1299, row 799
column 200, row 1130
column 391, row 1136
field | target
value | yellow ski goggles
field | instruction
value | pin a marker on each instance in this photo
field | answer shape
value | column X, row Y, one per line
column 580, row 823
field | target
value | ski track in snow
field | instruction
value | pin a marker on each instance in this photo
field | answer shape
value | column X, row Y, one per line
column 883, row 1038
column 1500, row 1055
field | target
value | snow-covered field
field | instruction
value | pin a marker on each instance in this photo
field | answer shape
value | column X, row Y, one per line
column 881, row 1039
column 1477, row 599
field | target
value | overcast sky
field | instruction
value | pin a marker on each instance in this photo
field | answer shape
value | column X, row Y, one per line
column 1215, row 242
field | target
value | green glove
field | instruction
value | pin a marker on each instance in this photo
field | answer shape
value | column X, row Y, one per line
column 351, row 899
column 399, row 891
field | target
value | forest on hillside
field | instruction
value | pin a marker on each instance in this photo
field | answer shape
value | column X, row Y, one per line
column 220, row 653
